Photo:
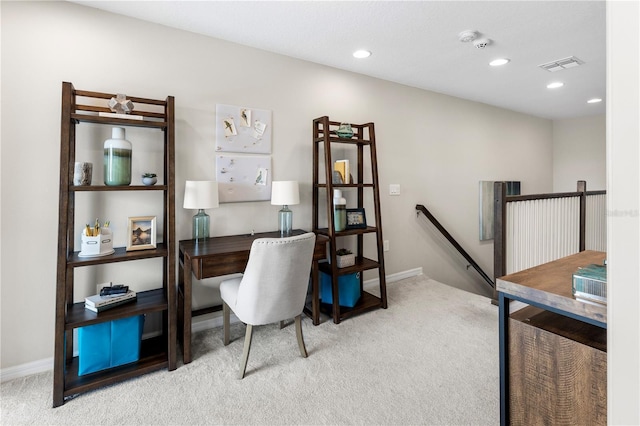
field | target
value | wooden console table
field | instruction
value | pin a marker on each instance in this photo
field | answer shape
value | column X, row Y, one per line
column 223, row 256
column 552, row 353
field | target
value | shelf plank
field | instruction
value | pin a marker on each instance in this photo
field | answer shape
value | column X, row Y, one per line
column 100, row 188
column 366, row 303
column 121, row 254
column 361, row 264
column 335, row 139
column 346, row 232
column 147, row 302
column 153, row 356
column 86, row 118
column 346, row 185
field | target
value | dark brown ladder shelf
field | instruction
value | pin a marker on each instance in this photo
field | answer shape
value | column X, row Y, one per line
column 362, row 143
column 80, row 106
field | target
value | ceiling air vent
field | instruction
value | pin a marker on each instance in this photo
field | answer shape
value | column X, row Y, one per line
column 562, row 64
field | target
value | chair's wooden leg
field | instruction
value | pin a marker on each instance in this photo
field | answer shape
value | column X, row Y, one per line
column 225, row 322
column 245, row 352
column 303, row 350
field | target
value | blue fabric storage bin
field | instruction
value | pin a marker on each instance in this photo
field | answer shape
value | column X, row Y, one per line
column 109, row 344
column 348, row 288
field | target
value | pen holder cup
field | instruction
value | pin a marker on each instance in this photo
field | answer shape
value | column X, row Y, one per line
column 100, row 245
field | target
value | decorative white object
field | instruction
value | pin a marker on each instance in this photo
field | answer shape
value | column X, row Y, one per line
column 82, row 173
column 120, row 104
column 285, row 193
column 200, row 195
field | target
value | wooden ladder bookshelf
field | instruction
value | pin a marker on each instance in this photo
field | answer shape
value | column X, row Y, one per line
column 363, row 140
column 80, row 106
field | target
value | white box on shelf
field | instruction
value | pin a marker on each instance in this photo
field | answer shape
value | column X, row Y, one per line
column 346, row 260
column 100, row 245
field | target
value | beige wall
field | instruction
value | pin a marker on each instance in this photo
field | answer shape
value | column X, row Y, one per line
column 436, row 147
column 579, row 153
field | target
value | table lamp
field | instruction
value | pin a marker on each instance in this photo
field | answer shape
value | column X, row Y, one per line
column 200, row 195
column 285, row 193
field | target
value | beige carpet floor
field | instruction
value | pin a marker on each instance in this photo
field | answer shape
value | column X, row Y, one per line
column 431, row 358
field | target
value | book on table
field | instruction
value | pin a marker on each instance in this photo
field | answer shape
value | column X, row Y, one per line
column 590, row 284
column 98, row 301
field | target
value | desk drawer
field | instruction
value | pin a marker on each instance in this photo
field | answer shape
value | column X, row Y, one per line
column 214, row 266
column 233, row 257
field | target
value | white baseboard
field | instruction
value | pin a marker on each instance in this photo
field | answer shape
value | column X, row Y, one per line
column 27, row 369
column 216, row 321
column 46, row 364
column 394, row 277
column 42, row 365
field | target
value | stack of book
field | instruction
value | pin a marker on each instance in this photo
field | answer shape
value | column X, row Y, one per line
column 100, row 303
column 590, row 284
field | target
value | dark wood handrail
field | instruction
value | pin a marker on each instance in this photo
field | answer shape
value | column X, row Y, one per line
column 512, row 198
column 454, row 243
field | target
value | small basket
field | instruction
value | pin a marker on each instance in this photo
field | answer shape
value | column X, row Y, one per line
column 346, row 260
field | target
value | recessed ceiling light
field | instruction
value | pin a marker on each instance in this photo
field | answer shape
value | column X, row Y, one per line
column 594, row 101
column 360, row 54
column 498, row 62
column 554, row 85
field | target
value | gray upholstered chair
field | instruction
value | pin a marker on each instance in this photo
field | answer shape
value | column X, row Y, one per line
column 273, row 287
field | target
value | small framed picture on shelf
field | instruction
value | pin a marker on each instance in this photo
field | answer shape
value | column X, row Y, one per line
column 356, row 219
column 142, row 233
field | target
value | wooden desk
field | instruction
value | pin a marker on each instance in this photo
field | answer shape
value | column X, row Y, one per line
column 541, row 343
column 222, row 256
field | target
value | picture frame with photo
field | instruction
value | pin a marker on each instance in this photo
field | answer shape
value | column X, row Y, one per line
column 356, row 219
column 141, row 233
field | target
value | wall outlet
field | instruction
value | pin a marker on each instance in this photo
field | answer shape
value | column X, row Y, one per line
column 385, row 245
column 394, row 189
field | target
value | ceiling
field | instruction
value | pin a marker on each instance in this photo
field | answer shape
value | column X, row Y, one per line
column 416, row 43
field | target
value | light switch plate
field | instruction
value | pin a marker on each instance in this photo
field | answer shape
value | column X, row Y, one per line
column 394, row 189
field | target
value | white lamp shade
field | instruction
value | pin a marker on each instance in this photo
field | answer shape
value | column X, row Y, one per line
column 285, row 193
column 200, row 194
